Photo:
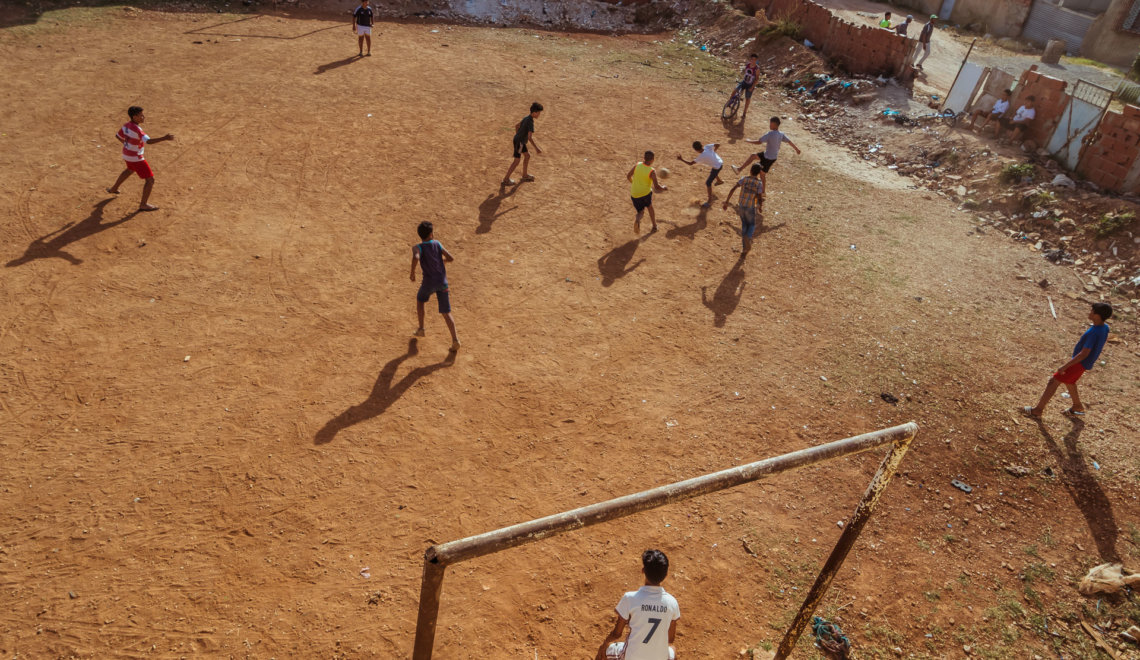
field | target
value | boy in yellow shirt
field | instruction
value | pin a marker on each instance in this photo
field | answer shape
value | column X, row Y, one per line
column 642, row 184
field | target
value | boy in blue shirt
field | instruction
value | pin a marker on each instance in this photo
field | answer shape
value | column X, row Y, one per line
column 430, row 255
column 1084, row 358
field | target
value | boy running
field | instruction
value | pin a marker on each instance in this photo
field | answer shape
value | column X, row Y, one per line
column 748, row 82
column 524, row 133
column 431, row 256
column 750, row 206
column 650, row 613
column 707, row 156
column 134, row 141
column 642, row 184
column 1085, row 353
column 362, row 27
column 771, row 141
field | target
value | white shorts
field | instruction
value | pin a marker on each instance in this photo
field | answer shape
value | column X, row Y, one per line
column 363, row 29
column 616, row 650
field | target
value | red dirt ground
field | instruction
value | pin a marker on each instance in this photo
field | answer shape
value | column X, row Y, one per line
column 225, row 505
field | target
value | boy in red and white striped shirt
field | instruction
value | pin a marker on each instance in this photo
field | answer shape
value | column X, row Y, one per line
column 134, row 140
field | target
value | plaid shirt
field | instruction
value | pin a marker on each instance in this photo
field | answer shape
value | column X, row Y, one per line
column 751, row 188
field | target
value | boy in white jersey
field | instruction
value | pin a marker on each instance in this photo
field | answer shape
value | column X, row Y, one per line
column 708, row 157
column 651, row 615
column 134, row 140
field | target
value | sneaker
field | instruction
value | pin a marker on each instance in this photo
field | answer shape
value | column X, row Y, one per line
column 528, row 177
column 420, row 333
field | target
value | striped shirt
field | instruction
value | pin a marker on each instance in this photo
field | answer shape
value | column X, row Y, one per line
column 751, row 188
column 133, row 142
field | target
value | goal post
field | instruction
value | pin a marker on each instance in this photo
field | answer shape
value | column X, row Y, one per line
column 438, row 557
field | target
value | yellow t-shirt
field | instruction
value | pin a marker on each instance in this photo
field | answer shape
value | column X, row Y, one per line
column 884, row 23
column 642, row 184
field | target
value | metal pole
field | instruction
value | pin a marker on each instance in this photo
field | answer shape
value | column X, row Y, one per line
column 430, row 589
column 960, row 67
column 846, row 540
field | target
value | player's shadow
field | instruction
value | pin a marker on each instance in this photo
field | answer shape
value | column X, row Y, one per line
column 727, row 295
column 325, row 68
column 760, row 228
column 52, row 245
column 690, row 230
column 734, row 130
column 489, row 209
column 614, row 264
column 384, row 393
column 1085, row 490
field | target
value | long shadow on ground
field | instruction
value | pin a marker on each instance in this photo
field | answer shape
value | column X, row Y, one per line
column 727, row 295
column 51, row 245
column 690, row 230
column 489, row 209
column 384, row 393
column 324, row 68
column 614, row 264
column 1085, row 490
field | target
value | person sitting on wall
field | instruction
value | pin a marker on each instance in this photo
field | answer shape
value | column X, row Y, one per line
column 1000, row 107
column 901, row 28
column 1016, row 127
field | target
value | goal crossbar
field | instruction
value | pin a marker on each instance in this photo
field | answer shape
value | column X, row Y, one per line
column 438, row 557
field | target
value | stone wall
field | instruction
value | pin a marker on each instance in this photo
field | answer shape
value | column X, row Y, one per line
column 1112, row 159
column 1049, row 94
column 1003, row 18
column 1106, row 42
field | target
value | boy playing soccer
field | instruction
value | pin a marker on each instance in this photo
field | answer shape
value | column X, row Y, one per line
column 524, row 132
column 134, row 141
column 642, row 184
column 771, row 141
column 651, row 615
column 362, row 27
column 750, row 206
column 748, row 82
column 708, row 156
column 1085, row 353
column 431, row 256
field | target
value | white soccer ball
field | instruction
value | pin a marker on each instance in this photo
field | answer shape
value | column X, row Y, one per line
column 663, row 173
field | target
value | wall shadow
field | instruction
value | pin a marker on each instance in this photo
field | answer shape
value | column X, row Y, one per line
column 52, row 245
column 325, row 68
column 690, row 230
column 384, row 393
column 727, row 295
column 1083, row 487
column 614, row 264
column 489, row 209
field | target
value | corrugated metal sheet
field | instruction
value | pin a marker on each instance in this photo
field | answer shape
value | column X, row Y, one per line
column 1048, row 21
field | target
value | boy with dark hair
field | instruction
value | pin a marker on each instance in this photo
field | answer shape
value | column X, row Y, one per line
column 886, row 22
column 924, row 41
column 524, row 132
column 707, row 156
column 1017, row 126
column 134, row 141
column 996, row 112
column 362, row 27
column 748, row 82
column 642, row 184
column 771, row 141
column 750, row 206
column 1085, row 354
column 901, row 28
column 431, row 256
column 644, row 611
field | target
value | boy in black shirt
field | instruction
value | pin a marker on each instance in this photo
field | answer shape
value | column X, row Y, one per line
column 524, row 132
column 362, row 26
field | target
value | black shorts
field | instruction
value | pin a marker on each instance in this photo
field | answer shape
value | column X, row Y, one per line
column 520, row 147
column 642, row 203
column 765, row 163
column 712, row 176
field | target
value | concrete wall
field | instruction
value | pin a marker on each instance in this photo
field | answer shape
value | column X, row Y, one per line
column 1106, row 42
column 1050, row 103
column 1112, row 159
column 856, row 48
column 1003, row 18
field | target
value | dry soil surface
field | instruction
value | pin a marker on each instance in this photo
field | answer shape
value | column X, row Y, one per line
column 221, row 439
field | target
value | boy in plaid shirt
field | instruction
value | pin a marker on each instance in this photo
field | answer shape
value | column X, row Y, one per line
column 750, row 205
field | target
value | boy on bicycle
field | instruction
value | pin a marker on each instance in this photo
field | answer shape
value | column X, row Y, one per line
column 748, row 81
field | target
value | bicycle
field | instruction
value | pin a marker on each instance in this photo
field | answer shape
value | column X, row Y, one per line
column 733, row 103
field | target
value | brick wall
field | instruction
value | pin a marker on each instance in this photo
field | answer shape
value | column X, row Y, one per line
column 1114, row 151
column 1050, row 97
column 857, row 48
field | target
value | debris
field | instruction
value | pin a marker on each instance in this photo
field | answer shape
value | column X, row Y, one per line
column 1132, row 634
column 1101, row 644
column 1017, row 470
column 72, row 595
column 965, row 488
column 364, row 573
column 1063, row 181
column 1052, row 309
column 1108, row 578
column 889, row 398
column 186, row 359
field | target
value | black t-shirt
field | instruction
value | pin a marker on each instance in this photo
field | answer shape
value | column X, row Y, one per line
column 526, row 127
column 363, row 16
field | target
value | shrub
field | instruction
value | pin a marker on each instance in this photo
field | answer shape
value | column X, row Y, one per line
column 1110, row 223
column 784, row 25
column 1015, row 172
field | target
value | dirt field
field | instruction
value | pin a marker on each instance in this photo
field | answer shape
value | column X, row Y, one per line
column 215, row 416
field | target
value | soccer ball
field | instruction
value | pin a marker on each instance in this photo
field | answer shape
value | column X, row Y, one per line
column 663, row 172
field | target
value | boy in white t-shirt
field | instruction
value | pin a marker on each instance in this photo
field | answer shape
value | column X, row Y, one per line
column 710, row 158
column 651, row 615
column 771, row 141
column 1000, row 107
column 1021, row 120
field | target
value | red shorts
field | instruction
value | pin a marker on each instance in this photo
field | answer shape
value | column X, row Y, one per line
column 141, row 168
column 1071, row 375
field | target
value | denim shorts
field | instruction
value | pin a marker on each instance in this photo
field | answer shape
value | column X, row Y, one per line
column 747, row 220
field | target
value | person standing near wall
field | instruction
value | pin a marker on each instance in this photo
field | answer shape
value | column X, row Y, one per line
column 902, row 28
column 924, row 41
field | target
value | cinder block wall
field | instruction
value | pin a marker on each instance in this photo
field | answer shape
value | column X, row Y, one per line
column 1114, row 153
column 1050, row 103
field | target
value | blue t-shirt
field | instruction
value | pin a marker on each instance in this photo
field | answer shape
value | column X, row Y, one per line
column 431, row 263
column 1093, row 339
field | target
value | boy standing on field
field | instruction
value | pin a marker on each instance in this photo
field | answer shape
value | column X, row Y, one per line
column 642, row 184
column 524, row 133
column 430, row 255
column 134, row 141
column 771, row 141
column 707, row 156
column 362, row 27
column 748, row 82
column 750, row 206
column 651, row 615
column 1085, row 353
